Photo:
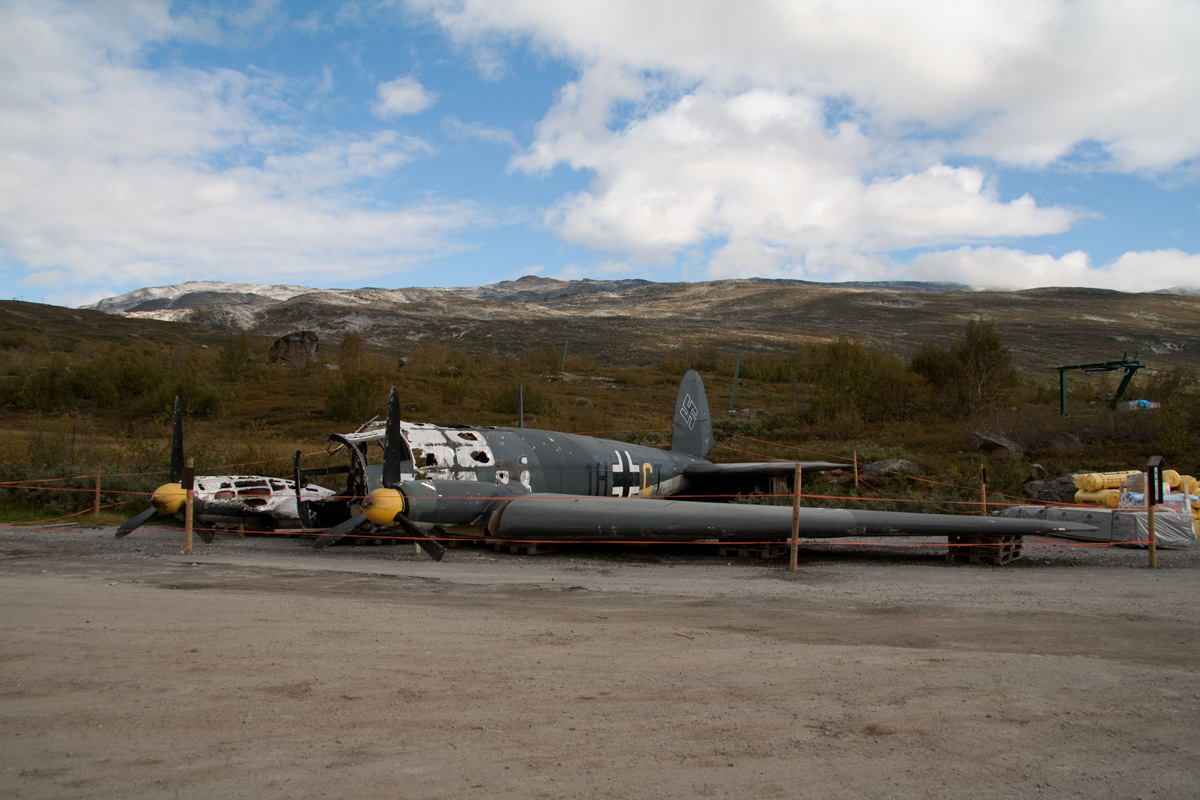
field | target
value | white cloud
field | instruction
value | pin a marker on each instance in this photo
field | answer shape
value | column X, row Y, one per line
column 402, row 96
column 807, row 138
column 339, row 162
column 85, row 297
column 762, row 167
column 326, row 85
column 1158, row 269
column 984, row 267
column 111, row 173
column 458, row 129
column 607, row 269
column 1001, row 268
column 788, row 138
column 1024, row 80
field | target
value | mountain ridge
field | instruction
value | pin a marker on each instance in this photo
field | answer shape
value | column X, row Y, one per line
column 637, row 320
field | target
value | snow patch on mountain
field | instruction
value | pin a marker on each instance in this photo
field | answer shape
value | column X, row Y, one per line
column 195, row 293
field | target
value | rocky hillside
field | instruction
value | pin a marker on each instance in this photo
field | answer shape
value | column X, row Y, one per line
column 632, row 320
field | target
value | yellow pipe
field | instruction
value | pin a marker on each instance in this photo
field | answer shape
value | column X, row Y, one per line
column 1097, row 481
column 1109, row 498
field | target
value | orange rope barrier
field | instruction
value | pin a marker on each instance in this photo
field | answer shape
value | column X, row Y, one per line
column 831, row 542
column 711, row 496
column 37, row 522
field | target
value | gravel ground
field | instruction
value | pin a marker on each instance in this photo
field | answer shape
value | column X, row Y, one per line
column 257, row 668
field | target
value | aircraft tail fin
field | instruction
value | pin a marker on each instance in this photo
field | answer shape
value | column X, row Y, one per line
column 692, row 432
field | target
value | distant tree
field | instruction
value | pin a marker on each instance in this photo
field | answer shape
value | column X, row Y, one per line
column 355, row 397
column 986, row 364
column 972, row 375
column 436, row 358
column 509, row 400
column 233, row 364
column 843, row 376
column 352, row 353
column 706, row 358
column 62, row 385
column 944, row 375
column 895, row 391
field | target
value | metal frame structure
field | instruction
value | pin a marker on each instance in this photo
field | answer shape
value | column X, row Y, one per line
column 1131, row 366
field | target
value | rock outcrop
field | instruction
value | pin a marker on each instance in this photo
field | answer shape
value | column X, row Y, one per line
column 298, row 349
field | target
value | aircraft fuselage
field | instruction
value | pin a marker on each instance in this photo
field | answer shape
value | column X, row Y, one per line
column 542, row 461
column 254, row 501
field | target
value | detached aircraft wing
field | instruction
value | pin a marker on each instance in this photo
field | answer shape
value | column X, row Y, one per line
column 567, row 518
column 705, row 470
column 726, row 480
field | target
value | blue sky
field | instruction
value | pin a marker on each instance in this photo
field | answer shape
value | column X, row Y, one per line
column 395, row 143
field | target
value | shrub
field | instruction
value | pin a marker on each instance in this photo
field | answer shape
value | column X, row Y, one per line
column 356, row 397
column 508, row 401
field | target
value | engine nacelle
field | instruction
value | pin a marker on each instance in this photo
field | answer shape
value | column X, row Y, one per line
column 440, row 503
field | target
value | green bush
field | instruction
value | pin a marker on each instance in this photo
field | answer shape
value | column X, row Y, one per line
column 356, row 397
column 508, row 401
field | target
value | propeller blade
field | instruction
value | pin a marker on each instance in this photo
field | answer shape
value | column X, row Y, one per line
column 135, row 522
column 343, row 528
column 302, row 510
column 393, row 449
column 177, row 462
column 430, row 545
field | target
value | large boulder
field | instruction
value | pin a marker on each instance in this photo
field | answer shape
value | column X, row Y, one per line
column 991, row 442
column 1065, row 443
column 891, row 468
column 297, row 349
column 1059, row 490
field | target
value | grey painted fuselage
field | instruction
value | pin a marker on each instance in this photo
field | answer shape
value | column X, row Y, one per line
column 543, row 461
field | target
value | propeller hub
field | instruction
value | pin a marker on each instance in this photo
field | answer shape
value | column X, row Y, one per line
column 382, row 505
column 168, row 499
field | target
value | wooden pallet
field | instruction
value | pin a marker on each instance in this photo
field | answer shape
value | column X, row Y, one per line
column 772, row 550
column 523, row 548
column 970, row 549
column 377, row 540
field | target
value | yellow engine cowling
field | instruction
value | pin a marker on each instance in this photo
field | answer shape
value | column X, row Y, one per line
column 168, row 499
column 382, row 505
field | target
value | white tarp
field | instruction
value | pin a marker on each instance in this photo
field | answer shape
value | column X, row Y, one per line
column 1171, row 529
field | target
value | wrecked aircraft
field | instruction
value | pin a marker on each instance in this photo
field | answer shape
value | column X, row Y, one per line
column 439, row 482
column 249, row 501
column 494, row 483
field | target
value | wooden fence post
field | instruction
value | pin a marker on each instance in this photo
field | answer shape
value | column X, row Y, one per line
column 1153, row 543
column 189, row 481
column 795, row 555
column 983, row 487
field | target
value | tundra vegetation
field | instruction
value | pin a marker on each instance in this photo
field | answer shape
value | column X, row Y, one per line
column 74, row 407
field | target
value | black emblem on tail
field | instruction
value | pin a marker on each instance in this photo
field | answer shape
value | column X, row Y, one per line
column 689, row 412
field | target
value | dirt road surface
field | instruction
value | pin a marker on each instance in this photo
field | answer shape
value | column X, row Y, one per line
column 257, row 668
